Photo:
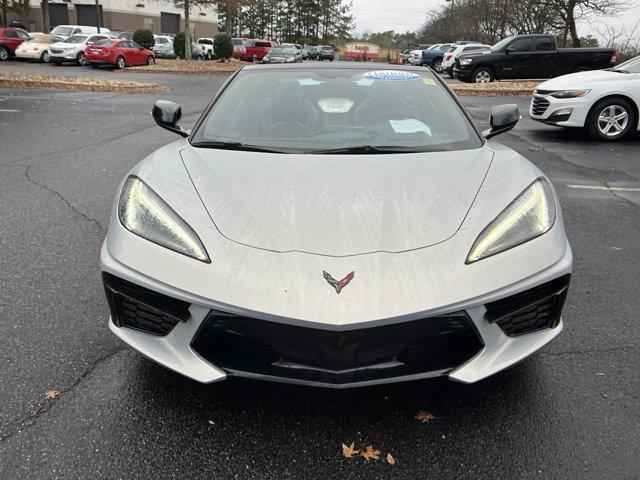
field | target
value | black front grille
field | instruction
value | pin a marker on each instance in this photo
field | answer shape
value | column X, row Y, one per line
column 539, row 105
column 241, row 344
column 532, row 310
column 139, row 308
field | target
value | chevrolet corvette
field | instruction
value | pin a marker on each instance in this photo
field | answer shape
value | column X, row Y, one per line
column 339, row 226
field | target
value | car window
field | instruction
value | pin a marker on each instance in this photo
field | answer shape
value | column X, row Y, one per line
column 22, row 34
column 542, row 44
column 302, row 111
column 64, row 31
column 133, row 44
column 630, row 66
column 263, row 44
column 10, row 34
column 520, row 45
column 77, row 30
column 472, row 48
column 76, row 39
column 125, row 44
column 444, row 47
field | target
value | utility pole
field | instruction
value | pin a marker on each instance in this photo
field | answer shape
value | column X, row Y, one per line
column 98, row 15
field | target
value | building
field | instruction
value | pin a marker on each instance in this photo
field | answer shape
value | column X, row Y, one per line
column 159, row 16
column 361, row 51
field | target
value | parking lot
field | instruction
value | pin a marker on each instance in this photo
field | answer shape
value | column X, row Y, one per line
column 571, row 411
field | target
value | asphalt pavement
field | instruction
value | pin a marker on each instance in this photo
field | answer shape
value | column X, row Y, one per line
column 571, row 411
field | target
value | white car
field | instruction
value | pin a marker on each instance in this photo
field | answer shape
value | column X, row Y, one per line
column 301, row 237
column 415, row 57
column 37, row 47
column 449, row 58
column 65, row 31
column 72, row 49
column 605, row 102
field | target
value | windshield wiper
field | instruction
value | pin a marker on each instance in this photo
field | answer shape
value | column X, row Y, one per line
column 225, row 145
column 374, row 149
column 620, row 71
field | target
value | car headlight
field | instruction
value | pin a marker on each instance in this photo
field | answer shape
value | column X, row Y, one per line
column 530, row 215
column 143, row 212
column 266, row 58
column 466, row 61
column 290, row 59
column 569, row 93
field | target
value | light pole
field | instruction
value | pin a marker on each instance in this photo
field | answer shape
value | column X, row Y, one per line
column 98, row 15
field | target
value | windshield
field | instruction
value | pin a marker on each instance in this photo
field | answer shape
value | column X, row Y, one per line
column 65, row 31
column 282, row 51
column 76, row 39
column 630, row 66
column 318, row 110
column 501, row 44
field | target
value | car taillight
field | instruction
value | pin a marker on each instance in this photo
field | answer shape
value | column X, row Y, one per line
column 448, row 56
column 614, row 57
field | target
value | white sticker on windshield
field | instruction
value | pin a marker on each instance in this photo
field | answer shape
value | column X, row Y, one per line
column 309, row 81
column 410, row 125
column 390, row 75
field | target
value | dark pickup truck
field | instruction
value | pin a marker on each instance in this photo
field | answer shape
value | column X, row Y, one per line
column 529, row 56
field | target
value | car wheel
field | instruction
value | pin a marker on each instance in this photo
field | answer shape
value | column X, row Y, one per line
column 81, row 60
column 482, row 75
column 151, row 60
column 437, row 65
column 120, row 63
column 209, row 56
column 4, row 53
column 45, row 57
column 611, row 119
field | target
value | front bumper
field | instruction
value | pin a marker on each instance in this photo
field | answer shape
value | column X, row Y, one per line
column 70, row 56
column 29, row 54
column 571, row 112
column 200, row 344
column 462, row 75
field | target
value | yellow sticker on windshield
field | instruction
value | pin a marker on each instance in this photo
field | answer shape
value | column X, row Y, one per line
column 428, row 81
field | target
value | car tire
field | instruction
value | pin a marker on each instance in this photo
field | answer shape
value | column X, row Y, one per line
column 602, row 128
column 4, row 53
column 45, row 57
column 120, row 62
column 80, row 60
column 450, row 72
column 151, row 60
column 436, row 65
column 482, row 75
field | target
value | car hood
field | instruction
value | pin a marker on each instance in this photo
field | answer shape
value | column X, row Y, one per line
column 337, row 205
column 584, row 79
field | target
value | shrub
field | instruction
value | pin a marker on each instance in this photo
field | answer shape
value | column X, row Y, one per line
column 144, row 37
column 223, row 46
column 178, row 45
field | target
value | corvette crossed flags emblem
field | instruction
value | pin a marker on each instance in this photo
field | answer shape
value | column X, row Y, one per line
column 338, row 284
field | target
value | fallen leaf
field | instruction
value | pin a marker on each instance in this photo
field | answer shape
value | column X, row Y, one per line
column 605, row 395
column 51, row 394
column 370, row 453
column 617, row 249
column 350, row 450
column 425, row 417
column 390, row 459
column 600, row 374
column 211, row 422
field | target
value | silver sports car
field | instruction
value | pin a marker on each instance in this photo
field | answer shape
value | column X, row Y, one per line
column 338, row 226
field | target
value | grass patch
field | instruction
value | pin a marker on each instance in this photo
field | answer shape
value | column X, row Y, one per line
column 90, row 84
column 190, row 67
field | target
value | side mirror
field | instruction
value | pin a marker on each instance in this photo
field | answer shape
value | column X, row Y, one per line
column 503, row 118
column 508, row 50
column 167, row 115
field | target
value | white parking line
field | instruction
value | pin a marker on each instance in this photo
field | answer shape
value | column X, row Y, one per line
column 600, row 187
column 30, row 97
column 7, row 110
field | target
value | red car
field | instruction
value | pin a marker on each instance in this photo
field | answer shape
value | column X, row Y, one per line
column 256, row 49
column 119, row 52
column 10, row 38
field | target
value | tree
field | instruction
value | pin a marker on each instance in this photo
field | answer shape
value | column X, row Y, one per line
column 186, row 5
column 144, row 37
column 44, row 6
column 13, row 6
column 178, row 45
column 572, row 10
column 223, row 46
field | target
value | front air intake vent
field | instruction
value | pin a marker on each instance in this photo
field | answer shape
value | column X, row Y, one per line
column 142, row 309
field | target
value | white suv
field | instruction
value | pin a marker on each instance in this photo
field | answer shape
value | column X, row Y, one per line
column 455, row 50
column 72, row 49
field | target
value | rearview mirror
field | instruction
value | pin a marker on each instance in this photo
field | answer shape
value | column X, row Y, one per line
column 167, row 115
column 503, row 118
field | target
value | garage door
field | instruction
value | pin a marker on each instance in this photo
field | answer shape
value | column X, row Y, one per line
column 58, row 14
column 169, row 22
column 86, row 15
